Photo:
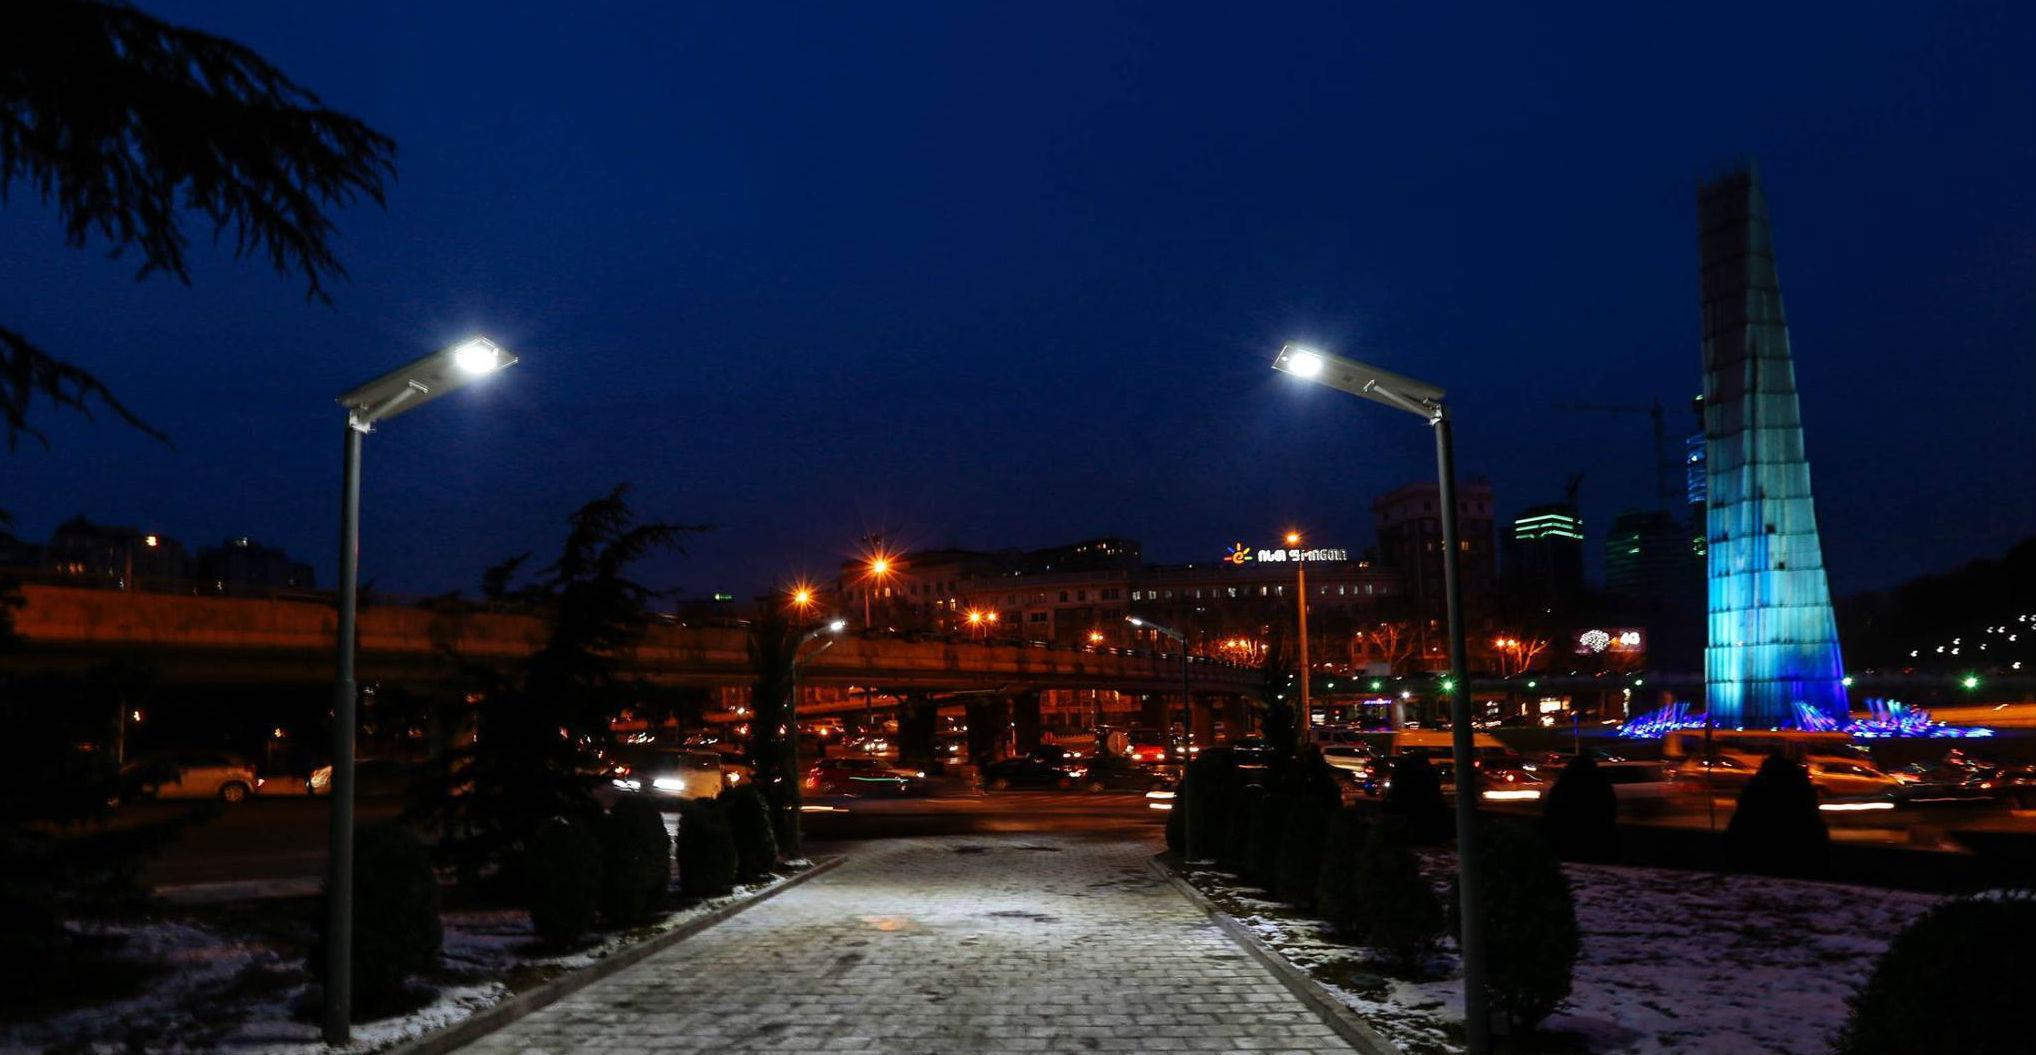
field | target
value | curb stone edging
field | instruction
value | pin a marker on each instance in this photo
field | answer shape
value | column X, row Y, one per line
column 1334, row 1014
column 482, row 1023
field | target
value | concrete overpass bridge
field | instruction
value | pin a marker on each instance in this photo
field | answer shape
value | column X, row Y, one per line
column 193, row 640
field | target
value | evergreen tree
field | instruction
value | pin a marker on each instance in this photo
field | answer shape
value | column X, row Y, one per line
column 1580, row 816
column 773, row 727
column 1776, row 828
column 529, row 758
column 126, row 123
column 1415, row 800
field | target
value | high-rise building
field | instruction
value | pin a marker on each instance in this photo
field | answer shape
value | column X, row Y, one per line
column 1545, row 556
column 1409, row 525
column 1649, row 559
column 1773, row 655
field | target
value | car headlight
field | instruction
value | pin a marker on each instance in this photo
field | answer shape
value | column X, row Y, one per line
column 627, row 785
column 668, row 784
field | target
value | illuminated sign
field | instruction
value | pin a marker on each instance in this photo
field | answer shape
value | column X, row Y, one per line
column 1618, row 640
column 1240, row 553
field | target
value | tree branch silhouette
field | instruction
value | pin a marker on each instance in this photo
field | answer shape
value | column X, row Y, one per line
column 127, row 123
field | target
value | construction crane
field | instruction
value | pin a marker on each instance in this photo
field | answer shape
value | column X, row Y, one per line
column 1661, row 461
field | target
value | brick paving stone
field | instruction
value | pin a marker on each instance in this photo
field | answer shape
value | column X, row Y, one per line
column 935, row 946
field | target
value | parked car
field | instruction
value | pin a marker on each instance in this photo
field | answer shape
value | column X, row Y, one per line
column 863, row 777
column 668, row 772
column 195, row 775
column 1043, row 768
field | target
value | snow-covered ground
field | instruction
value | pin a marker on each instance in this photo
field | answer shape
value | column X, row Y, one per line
column 224, row 990
column 1672, row 962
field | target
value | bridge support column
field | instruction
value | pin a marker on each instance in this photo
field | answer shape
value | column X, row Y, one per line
column 918, row 716
column 1236, row 717
column 1201, row 719
column 989, row 719
column 1025, row 722
column 1152, row 710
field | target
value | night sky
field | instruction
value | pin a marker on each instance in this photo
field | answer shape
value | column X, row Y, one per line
column 1011, row 275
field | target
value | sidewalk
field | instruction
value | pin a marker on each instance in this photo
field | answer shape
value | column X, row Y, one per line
column 1021, row 943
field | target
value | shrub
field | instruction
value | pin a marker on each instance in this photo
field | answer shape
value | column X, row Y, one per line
column 1580, row 817
column 1776, row 829
column 1531, row 938
column 1336, row 884
column 1262, row 846
column 1298, row 870
column 1233, row 854
column 707, row 860
column 749, row 823
column 1397, row 911
column 562, row 872
column 1953, row 983
column 396, row 931
column 1211, row 779
column 636, row 861
column 1415, row 800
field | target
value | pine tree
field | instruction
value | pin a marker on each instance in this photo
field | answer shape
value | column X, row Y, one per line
column 529, row 759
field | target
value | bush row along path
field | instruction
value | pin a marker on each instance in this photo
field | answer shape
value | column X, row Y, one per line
column 983, row 943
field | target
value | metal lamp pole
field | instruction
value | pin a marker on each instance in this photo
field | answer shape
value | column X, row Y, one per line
column 378, row 400
column 1425, row 401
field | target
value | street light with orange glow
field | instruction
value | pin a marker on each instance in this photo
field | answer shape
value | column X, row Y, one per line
column 875, row 573
column 1301, row 603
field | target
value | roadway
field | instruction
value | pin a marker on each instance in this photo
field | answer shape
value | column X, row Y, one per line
column 281, row 840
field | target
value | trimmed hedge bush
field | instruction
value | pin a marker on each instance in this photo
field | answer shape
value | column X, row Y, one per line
column 1297, row 874
column 563, row 872
column 707, row 860
column 1211, row 779
column 749, row 823
column 1262, row 845
column 1580, row 816
column 1956, row 982
column 396, row 931
column 1396, row 910
column 1776, row 829
column 1415, row 800
column 1531, row 940
column 636, row 861
column 1234, row 853
column 1336, row 885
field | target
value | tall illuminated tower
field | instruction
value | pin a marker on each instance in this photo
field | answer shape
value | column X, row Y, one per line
column 1772, row 661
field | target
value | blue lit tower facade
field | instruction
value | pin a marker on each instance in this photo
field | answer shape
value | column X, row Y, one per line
column 1772, row 660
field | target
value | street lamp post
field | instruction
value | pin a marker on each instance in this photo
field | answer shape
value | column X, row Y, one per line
column 832, row 626
column 1187, row 713
column 378, row 400
column 1425, row 401
column 1301, row 585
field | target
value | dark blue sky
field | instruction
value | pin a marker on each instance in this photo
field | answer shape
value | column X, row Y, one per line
column 1011, row 275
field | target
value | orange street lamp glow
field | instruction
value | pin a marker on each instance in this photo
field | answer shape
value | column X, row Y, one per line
column 880, row 566
column 802, row 597
column 992, row 617
column 975, row 617
column 1095, row 637
column 1293, row 538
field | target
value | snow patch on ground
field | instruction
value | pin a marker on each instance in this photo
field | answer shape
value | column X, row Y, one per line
column 1672, row 962
column 224, row 991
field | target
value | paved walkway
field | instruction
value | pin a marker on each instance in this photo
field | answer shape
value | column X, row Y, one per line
column 1019, row 943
